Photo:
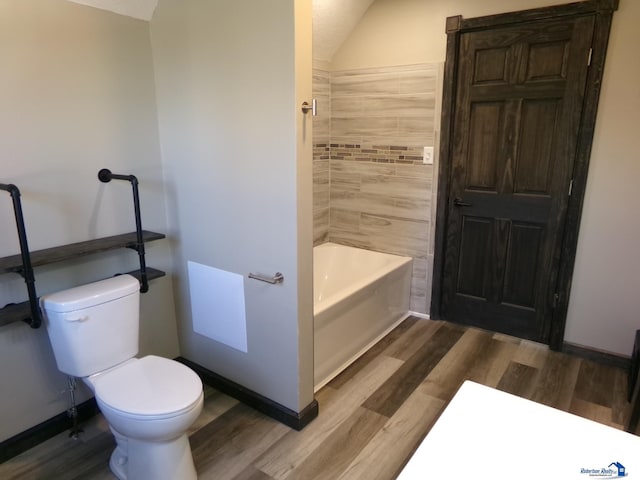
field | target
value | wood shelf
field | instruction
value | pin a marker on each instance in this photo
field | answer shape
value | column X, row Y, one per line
column 13, row 264
column 75, row 250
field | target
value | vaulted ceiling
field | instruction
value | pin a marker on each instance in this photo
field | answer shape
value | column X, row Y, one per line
column 333, row 20
column 142, row 9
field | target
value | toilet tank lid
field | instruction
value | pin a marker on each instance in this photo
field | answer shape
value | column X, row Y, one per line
column 91, row 294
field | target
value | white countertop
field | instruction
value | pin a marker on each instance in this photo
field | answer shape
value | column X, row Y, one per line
column 488, row 434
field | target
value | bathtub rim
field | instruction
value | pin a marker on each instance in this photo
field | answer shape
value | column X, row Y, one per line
column 398, row 261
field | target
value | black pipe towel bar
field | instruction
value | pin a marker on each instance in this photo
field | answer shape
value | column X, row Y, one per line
column 27, row 270
column 105, row 176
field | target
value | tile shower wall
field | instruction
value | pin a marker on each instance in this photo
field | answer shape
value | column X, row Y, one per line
column 379, row 191
column 321, row 155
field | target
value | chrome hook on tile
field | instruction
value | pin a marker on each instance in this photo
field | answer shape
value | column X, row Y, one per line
column 277, row 278
column 313, row 107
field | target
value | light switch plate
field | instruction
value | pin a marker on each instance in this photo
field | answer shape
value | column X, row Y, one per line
column 427, row 157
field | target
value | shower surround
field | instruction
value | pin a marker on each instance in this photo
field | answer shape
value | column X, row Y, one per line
column 371, row 189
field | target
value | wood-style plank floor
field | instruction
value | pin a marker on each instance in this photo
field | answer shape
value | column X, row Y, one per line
column 372, row 416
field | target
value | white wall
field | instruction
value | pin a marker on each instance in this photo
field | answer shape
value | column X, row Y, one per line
column 603, row 308
column 230, row 77
column 76, row 95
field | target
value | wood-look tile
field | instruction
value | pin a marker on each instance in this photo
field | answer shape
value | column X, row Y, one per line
column 620, row 407
column 344, row 218
column 399, row 245
column 290, row 451
column 519, row 380
column 358, row 84
column 412, row 208
column 557, row 381
column 345, row 181
column 395, row 442
column 447, row 376
column 375, row 126
column 378, row 225
column 506, row 338
column 62, row 457
column 216, row 403
column 68, row 460
column 390, row 396
column 345, row 199
column 373, row 352
column 338, row 450
column 226, row 446
column 592, row 411
column 349, row 167
column 399, row 106
column 493, row 363
column 412, row 187
column 421, row 171
column 414, row 339
column 252, row 473
column 595, row 383
column 532, row 354
column 422, row 80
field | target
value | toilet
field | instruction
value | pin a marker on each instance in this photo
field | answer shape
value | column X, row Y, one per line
column 149, row 402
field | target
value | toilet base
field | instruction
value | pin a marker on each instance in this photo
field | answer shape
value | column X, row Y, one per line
column 143, row 460
column 117, row 463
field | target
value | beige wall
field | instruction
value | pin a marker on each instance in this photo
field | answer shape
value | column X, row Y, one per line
column 603, row 304
column 76, row 95
column 236, row 148
column 403, row 32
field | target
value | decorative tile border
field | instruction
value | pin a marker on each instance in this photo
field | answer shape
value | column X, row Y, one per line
column 363, row 153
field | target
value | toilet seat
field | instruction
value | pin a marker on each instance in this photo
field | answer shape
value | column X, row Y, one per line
column 149, row 388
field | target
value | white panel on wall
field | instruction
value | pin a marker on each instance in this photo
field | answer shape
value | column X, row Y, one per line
column 217, row 305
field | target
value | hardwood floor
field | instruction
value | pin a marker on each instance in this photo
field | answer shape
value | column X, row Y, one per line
column 372, row 416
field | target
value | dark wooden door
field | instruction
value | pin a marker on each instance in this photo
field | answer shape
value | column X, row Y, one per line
column 517, row 112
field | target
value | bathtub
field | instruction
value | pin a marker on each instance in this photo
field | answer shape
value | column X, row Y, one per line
column 359, row 296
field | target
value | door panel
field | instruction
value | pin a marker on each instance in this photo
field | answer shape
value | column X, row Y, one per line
column 521, row 265
column 535, row 158
column 516, row 117
column 474, row 252
column 485, row 123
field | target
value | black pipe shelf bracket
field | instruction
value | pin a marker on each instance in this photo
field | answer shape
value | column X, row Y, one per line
column 26, row 270
column 106, row 176
column 24, row 263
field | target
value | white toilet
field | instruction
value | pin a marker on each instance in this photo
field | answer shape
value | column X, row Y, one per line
column 149, row 402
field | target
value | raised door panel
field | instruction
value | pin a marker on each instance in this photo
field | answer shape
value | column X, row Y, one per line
column 522, row 265
column 535, row 146
column 485, row 127
column 474, row 254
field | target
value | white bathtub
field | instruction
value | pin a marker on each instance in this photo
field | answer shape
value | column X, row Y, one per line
column 359, row 296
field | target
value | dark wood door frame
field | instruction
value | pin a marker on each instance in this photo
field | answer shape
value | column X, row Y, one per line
column 455, row 26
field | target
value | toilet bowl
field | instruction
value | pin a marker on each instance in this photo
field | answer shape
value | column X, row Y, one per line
column 149, row 402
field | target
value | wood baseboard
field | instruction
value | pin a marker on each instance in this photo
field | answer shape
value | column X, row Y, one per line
column 598, row 356
column 49, row 428
column 295, row 420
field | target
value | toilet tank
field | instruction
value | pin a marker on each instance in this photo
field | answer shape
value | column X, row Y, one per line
column 93, row 327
